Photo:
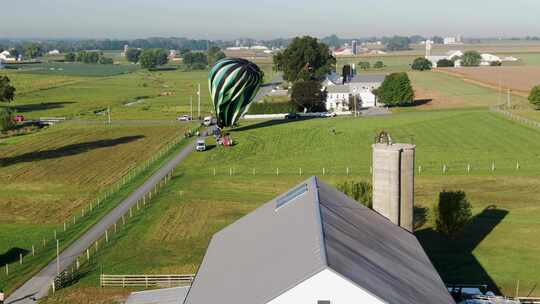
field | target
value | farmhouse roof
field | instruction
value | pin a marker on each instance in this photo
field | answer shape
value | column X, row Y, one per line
column 366, row 78
column 338, row 89
column 304, row 231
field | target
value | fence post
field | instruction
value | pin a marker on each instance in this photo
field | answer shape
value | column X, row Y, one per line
column 20, row 258
column 130, row 212
column 87, row 254
column 468, row 168
column 493, row 167
column 64, row 226
column 7, row 269
column 300, row 171
column 77, row 264
column 323, row 171
column 33, row 250
column 517, row 165
column 253, row 171
column 214, row 171
column 347, row 171
column 106, row 236
column 420, row 169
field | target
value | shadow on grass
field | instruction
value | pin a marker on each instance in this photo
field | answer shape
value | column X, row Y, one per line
column 67, row 150
column 270, row 123
column 420, row 215
column 12, row 255
column 454, row 259
column 40, row 106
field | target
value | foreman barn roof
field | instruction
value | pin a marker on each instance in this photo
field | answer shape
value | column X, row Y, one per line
column 300, row 233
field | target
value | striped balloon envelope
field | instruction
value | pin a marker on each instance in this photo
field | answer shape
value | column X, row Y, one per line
column 233, row 84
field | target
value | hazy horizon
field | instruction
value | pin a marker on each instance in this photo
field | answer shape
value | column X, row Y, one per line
column 98, row 19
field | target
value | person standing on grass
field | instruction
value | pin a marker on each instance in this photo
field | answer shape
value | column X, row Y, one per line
column 2, row 296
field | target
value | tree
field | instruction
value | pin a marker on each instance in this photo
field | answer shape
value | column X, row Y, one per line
column 421, row 64
column 445, row 63
column 332, row 40
column 534, row 97
column 7, row 91
column 471, row 59
column 437, row 39
column 304, row 59
column 364, row 65
column 214, row 55
column 151, row 58
column 396, row 90
column 105, row 60
column 308, row 95
column 7, row 119
column 196, row 60
column 132, row 55
column 452, row 213
column 397, row 43
column 361, row 192
column 70, row 57
column 32, row 50
column 378, row 65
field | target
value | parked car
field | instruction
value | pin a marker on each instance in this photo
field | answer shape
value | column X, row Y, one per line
column 184, row 118
column 201, row 145
column 292, row 116
column 329, row 114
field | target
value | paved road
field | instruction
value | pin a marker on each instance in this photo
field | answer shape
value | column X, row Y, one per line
column 38, row 286
column 267, row 88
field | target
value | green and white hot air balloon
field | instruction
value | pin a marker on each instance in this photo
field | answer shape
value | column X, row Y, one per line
column 233, row 84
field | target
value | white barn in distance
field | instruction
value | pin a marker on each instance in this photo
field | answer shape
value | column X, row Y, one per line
column 315, row 245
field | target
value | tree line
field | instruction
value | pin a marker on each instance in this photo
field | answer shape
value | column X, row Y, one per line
column 88, row 57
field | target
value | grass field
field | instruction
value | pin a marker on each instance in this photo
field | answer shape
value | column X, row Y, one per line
column 173, row 233
column 50, row 176
column 75, row 69
column 138, row 95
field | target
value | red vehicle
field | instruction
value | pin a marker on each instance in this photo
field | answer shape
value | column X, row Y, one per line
column 19, row 118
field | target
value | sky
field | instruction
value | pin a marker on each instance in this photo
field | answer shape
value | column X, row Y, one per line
column 262, row 19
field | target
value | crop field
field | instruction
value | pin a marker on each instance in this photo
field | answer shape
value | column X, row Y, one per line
column 75, row 69
column 520, row 79
column 49, row 175
column 173, row 233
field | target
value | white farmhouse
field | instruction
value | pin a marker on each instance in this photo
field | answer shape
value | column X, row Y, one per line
column 488, row 59
column 313, row 245
column 338, row 97
column 362, row 86
column 54, row 52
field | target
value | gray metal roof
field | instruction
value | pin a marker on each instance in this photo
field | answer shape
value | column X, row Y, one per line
column 159, row 296
column 273, row 249
column 338, row 89
column 368, row 78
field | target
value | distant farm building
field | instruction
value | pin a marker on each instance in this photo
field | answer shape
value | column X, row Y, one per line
column 54, row 52
column 5, row 56
column 316, row 245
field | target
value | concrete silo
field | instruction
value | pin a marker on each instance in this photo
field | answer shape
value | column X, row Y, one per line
column 393, row 182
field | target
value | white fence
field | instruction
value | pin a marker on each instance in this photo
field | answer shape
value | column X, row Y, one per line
column 168, row 280
column 523, row 120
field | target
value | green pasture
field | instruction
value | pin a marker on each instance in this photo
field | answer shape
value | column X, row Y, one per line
column 74, row 68
column 173, row 233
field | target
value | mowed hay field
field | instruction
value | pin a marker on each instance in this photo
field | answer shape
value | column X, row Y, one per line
column 50, row 175
column 518, row 79
column 171, row 236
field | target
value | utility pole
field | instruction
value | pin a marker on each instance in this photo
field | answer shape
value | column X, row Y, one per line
column 57, row 257
column 191, row 106
column 199, row 107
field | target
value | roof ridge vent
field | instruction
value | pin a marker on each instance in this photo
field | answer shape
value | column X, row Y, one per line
column 291, row 196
